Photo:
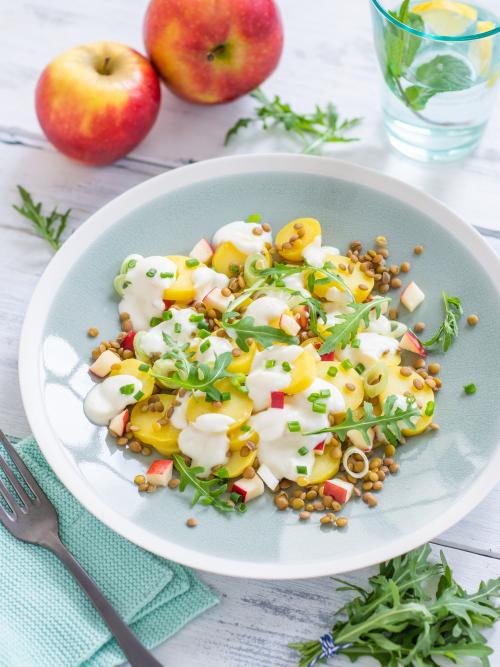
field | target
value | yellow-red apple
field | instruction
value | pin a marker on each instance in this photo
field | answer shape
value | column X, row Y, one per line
column 211, row 51
column 96, row 102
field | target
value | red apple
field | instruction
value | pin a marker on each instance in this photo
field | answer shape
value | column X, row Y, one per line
column 211, row 51
column 96, row 102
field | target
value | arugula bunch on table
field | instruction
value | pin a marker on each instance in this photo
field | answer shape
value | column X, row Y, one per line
column 403, row 617
column 49, row 227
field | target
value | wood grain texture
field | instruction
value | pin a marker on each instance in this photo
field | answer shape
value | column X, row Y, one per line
column 328, row 55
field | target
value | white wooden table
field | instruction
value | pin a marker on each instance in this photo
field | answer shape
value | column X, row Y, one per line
column 328, row 55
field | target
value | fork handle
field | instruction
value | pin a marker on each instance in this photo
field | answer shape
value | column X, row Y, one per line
column 137, row 654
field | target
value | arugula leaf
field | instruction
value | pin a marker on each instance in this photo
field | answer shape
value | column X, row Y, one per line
column 314, row 129
column 389, row 421
column 342, row 333
column 207, row 491
column 448, row 329
column 245, row 328
column 48, row 227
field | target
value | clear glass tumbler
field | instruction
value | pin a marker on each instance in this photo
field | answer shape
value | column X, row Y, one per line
column 441, row 65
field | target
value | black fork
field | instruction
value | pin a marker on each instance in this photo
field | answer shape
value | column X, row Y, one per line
column 35, row 520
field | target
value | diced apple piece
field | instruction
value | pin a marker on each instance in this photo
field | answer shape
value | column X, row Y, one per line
column 313, row 351
column 338, row 489
column 330, row 356
column 320, row 448
column 267, row 477
column 202, row 251
column 302, row 316
column 118, row 423
column 411, row 343
column 102, row 365
column 215, row 299
column 412, row 296
column 357, row 439
column 128, row 341
column 289, row 325
column 160, row 472
column 278, row 399
column 248, row 489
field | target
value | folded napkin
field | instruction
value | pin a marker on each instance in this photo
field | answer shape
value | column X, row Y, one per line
column 47, row 621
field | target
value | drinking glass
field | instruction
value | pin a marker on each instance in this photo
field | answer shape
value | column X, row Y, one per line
column 440, row 60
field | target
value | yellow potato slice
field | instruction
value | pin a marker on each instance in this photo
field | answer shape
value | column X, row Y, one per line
column 399, row 384
column 182, row 289
column 239, row 407
column 131, row 367
column 325, row 467
column 353, row 399
column 238, row 438
column 237, row 463
column 303, row 373
column 353, row 280
column 310, row 228
column 164, row 439
column 225, row 255
column 243, row 363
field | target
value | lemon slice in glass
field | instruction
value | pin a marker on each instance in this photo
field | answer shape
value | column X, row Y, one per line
column 481, row 50
column 445, row 17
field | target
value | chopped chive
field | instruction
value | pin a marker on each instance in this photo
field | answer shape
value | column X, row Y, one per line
column 204, row 334
column 177, row 327
column 196, row 318
column 222, row 473
column 166, row 275
column 154, row 321
column 127, row 389
column 234, row 268
column 359, row 368
column 286, row 367
column 320, row 408
column 280, row 283
column 429, row 409
column 126, row 284
column 293, row 427
column 131, row 263
column 166, row 315
column 301, row 470
column 254, row 217
column 313, row 397
column 325, row 393
column 202, row 325
column 225, row 396
column 245, row 428
column 243, row 388
column 144, row 368
column 192, row 262
column 302, row 451
column 138, row 395
column 241, row 507
column 346, row 364
column 332, row 371
column 178, row 364
column 270, row 363
column 151, row 273
column 235, row 497
column 470, row 388
column 204, row 346
column 355, row 343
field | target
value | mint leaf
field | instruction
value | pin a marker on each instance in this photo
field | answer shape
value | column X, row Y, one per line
column 418, row 96
column 444, row 73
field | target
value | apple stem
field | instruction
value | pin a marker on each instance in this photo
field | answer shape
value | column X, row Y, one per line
column 107, row 60
column 216, row 51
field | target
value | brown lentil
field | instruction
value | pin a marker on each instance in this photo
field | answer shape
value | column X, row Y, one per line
column 281, row 501
column 244, row 451
column 93, row 332
column 328, row 502
column 285, row 484
column 143, row 487
column 249, row 472
column 419, row 363
column 388, row 461
column 297, row 504
column 419, row 327
column 394, row 468
column 135, row 446
column 405, row 267
column 393, row 313
column 121, row 441
column 257, row 230
column 128, row 354
column 127, row 326
column 341, row 522
column 266, row 227
column 303, row 516
column 367, row 486
column 311, row 494
column 151, row 488
column 139, row 479
column 430, row 383
column 174, row 483
column 434, row 368
column 434, row 427
column 369, row 499
column 349, row 386
column 381, row 475
column 396, row 283
column 325, row 519
column 418, row 249
column 394, row 269
column 318, row 505
column 472, row 320
column 417, row 383
column 191, row 523
column 383, row 289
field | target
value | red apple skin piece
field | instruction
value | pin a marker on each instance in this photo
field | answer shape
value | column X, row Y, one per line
column 411, row 343
column 93, row 117
column 128, row 341
column 213, row 51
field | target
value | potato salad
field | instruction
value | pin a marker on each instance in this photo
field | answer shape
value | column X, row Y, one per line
column 261, row 362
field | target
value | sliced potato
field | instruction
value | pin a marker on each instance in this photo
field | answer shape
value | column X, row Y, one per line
column 243, row 363
column 131, row 367
column 163, row 439
column 237, row 463
column 303, row 373
column 238, row 438
column 239, row 407
column 310, row 228
column 353, row 280
column 182, row 289
column 352, row 398
column 225, row 255
column 325, row 467
column 399, row 384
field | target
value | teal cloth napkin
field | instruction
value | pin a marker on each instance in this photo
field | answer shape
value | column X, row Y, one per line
column 46, row 620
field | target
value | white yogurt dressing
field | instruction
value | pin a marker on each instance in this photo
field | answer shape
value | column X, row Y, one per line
column 152, row 341
column 340, row 298
column 402, row 403
column 380, row 325
column 265, row 309
column 105, row 400
column 143, row 296
column 241, row 235
column 261, row 381
column 216, row 346
column 206, row 441
column 278, row 447
column 295, row 281
column 206, row 279
column 178, row 418
column 372, row 348
column 317, row 255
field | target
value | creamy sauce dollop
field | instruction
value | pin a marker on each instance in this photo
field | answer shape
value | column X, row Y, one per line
column 372, row 348
column 206, row 279
column 317, row 255
column 262, row 380
column 241, row 235
column 265, row 309
column 213, row 346
column 105, row 400
column 206, row 441
column 179, row 327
